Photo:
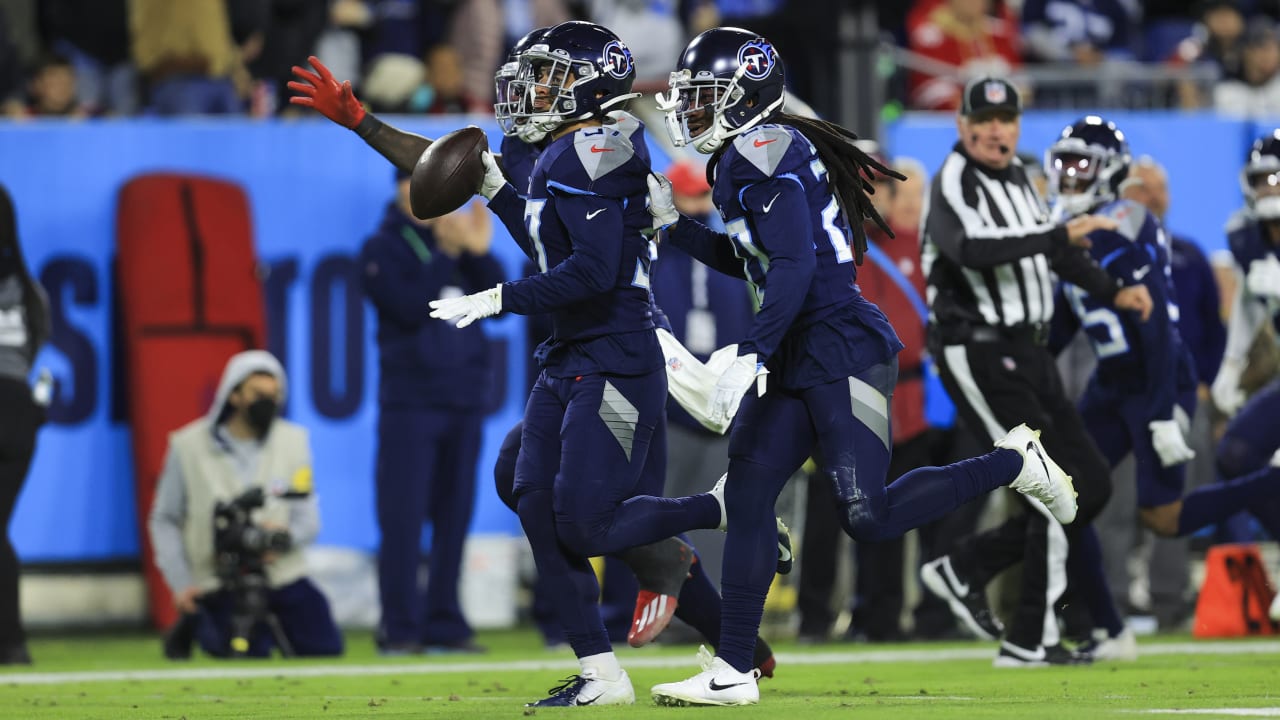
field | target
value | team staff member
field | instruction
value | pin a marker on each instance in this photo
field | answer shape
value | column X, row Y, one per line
column 988, row 249
column 431, row 407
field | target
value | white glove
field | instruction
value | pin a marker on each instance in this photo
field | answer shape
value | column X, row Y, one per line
column 1170, row 445
column 493, row 177
column 469, row 308
column 1263, row 279
column 731, row 386
column 662, row 206
column 1225, row 390
column 691, row 382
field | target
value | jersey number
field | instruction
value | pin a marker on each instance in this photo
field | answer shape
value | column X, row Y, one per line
column 839, row 242
column 533, row 221
column 1102, row 326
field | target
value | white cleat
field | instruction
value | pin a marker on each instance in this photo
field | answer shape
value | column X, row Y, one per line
column 1041, row 478
column 717, row 492
column 1121, row 647
column 718, row 684
column 589, row 688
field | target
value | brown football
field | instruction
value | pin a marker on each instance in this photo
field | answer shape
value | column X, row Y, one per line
column 448, row 173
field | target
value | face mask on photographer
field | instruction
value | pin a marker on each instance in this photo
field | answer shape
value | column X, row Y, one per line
column 260, row 414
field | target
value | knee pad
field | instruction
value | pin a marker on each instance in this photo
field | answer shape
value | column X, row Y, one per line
column 1237, row 457
column 858, row 517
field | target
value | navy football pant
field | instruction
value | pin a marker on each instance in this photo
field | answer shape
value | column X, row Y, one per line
column 847, row 423
column 583, row 453
column 303, row 612
column 426, row 471
column 1244, row 453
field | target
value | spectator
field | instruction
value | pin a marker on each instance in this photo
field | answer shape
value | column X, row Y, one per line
column 1256, row 93
column 53, row 89
column 963, row 35
column 289, row 34
column 1217, row 40
column 24, row 327
column 187, row 54
column 444, row 92
column 431, row 408
column 242, row 444
column 1081, row 32
column 95, row 36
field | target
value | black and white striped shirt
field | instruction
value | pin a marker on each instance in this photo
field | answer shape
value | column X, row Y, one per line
column 988, row 247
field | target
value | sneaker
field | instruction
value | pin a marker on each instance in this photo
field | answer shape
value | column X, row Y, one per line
column 1103, row 647
column 718, row 684
column 661, row 569
column 1016, row 656
column 784, row 548
column 967, row 600
column 764, row 660
column 1041, row 478
column 589, row 689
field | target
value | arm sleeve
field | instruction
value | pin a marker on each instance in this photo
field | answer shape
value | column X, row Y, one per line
column 1159, row 360
column 1064, row 324
column 786, row 236
column 509, row 207
column 960, row 225
column 711, row 248
column 1076, row 266
column 592, row 267
column 401, row 289
column 168, row 515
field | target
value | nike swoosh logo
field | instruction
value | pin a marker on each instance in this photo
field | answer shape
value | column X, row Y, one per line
column 594, row 213
column 596, row 149
column 784, row 555
column 770, row 203
column 761, row 143
column 1141, row 272
column 579, row 701
column 1031, row 447
column 717, row 687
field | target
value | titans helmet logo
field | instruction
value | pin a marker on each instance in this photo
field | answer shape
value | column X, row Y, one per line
column 758, row 57
column 617, row 59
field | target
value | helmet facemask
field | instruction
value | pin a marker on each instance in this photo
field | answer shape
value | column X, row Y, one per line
column 551, row 90
column 1082, row 176
column 698, row 109
column 1260, row 181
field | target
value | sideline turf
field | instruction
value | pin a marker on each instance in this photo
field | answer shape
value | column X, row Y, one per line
column 966, row 688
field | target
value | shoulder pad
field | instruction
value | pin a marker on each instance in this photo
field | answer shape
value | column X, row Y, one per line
column 601, row 150
column 765, row 148
column 627, row 124
column 1130, row 218
column 1237, row 221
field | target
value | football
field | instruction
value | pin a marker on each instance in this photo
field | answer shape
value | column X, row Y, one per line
column 448, row 173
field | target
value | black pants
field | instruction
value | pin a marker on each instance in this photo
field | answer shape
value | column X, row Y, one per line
column 20, row 417
column 878, row 592
column 997, row 385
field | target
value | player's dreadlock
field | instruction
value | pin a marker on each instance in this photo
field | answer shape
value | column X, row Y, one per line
column 850, row 173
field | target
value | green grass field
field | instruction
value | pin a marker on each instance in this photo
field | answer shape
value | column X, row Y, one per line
column 123, row 677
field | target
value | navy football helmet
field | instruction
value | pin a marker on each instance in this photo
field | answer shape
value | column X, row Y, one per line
column 727, row 81
column 1086, row 165
column 1260, row 178
column 574, row 71
column 504, row 101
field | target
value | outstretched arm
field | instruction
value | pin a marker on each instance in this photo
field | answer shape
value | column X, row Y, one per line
column 321, row 91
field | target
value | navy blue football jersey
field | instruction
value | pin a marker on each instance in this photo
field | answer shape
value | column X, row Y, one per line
column 1133, row 356
column 1248, row 242
column 788, row 238
column 518, row 156
column 583, row 224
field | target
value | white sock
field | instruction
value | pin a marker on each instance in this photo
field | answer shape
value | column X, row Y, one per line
column 605, row 664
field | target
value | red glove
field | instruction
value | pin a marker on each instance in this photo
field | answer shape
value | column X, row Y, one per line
column 321, row 91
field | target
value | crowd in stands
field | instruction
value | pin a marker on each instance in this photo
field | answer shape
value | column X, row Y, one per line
column 87, row 58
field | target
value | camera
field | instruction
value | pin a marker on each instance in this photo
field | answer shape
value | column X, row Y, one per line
column 239, row 560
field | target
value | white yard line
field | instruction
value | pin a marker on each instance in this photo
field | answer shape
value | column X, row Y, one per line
column 235, row 672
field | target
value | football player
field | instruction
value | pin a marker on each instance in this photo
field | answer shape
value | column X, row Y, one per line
column 1251, row 445
column 661, row 567
column 1143, row 392
column 793, row 196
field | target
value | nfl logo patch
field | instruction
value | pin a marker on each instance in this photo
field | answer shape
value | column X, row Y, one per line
column 1009, row 364
column 675, row 364
column 995, row 93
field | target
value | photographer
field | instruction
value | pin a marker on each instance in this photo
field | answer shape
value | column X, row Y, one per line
column 250, row 572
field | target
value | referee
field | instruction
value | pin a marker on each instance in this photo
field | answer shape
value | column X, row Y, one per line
column 988, row 251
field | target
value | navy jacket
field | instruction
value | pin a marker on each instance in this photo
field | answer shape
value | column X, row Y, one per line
column 1199, row 317
column 424, row 362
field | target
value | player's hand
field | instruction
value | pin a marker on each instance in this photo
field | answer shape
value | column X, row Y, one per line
column 469, row 308
column 1225, row 390
column 731, row 386
column 662, row 204
column 493, row 177
column 1169, row 442
column 322, row 91
column 1078, row 228
column 1136, row 298
column 185, row 601
column 1263, row 279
